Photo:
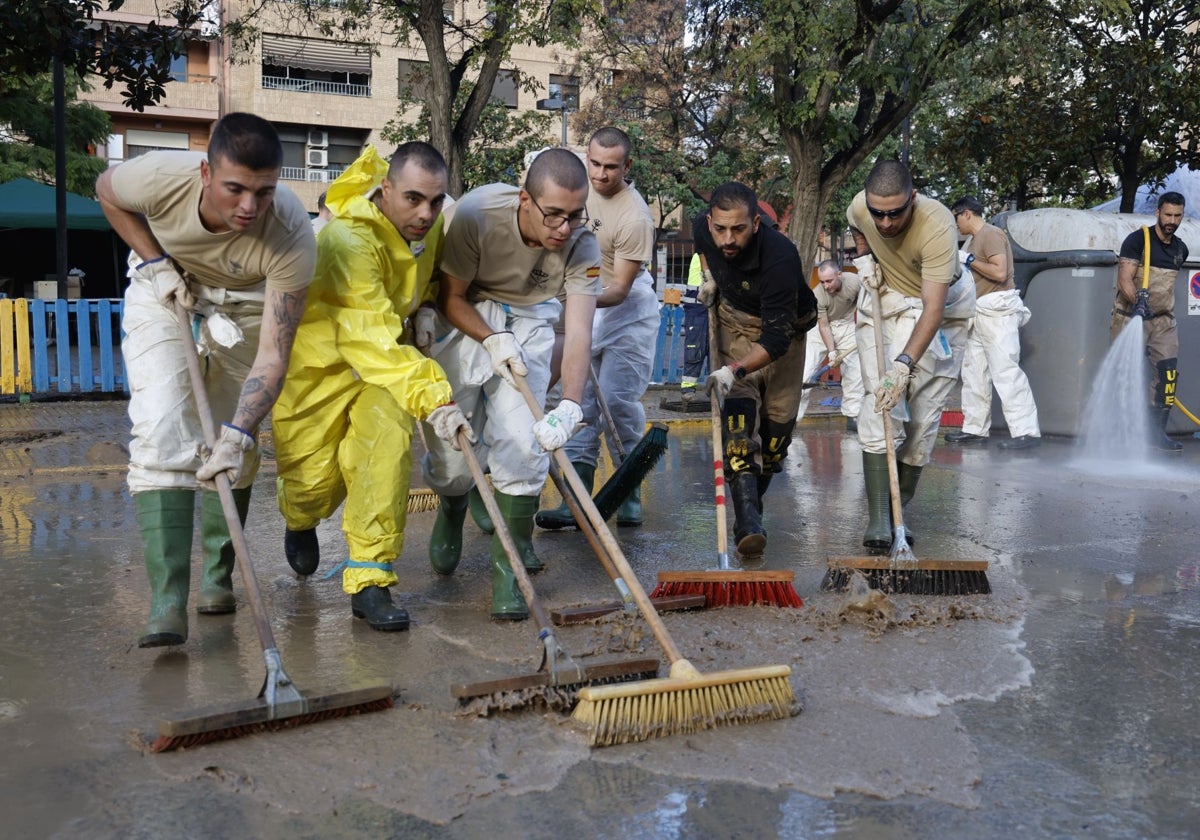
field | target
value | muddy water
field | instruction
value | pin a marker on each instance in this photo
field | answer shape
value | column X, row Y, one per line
column 1060, row 705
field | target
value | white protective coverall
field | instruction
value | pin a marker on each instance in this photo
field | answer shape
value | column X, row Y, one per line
column 344, row 422
column 993, row 356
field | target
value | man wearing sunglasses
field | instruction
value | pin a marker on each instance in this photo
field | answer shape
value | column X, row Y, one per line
column 762, row 310
column 908, row 250
column 507, row 255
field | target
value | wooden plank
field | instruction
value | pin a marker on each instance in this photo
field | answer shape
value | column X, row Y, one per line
column 83, row 327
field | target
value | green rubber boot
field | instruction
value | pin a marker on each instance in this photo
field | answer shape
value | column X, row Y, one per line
column 164, row 519
column 560, row 517
column 517, row 511
column 629, row 514
column 445, row 540
column 216, row 582
column 879, row 502
column 909, row 476
column 479, row 512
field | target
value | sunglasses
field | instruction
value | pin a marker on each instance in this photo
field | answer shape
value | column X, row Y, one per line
column 891, row 214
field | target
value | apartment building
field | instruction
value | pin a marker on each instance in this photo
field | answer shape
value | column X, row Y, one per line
column 327, row 98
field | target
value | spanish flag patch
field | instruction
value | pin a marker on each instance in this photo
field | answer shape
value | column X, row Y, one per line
column 593, row 272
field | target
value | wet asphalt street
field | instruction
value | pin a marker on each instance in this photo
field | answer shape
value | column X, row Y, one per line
column 1063, row 705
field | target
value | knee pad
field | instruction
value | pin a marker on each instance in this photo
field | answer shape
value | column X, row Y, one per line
column 1168, row 373
column 776, row 439
column 740, row 416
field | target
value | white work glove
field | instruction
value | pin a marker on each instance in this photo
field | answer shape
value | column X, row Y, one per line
column 708, row 292
column 169, row 285
column 229, row 456
column 447, row 420
column 506, row 356
column 890, row 391
column 868, row 271
column 424, row 327
column 722, row 380
column 557, row 426
column 836, row 358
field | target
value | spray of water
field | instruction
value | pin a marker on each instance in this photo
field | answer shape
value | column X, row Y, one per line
column 1115, row 429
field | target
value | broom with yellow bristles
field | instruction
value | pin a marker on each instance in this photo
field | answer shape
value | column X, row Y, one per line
column 687, row 700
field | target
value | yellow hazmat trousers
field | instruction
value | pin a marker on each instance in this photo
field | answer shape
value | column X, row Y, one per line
column 343, row 423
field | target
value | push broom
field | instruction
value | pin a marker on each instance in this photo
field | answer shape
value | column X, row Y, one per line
column 632, row 470
column 726, row 586
column 687, row 700
column 279, row 705
column 558, row 679
column 900, row 571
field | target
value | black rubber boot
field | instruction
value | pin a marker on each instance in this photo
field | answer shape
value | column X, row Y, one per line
column 445, row 540
column 629, row 514
column 216, row 581
column 560, row 517
column 165, row 520
column 517, row 511
column 479, row 512
column 1159, row 415
column 748, row 531
column 302, row 550
column 879, row 502
column 374, row 603
column 764, row 481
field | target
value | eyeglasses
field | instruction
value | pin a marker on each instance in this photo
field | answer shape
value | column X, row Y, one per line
column 891, row 214
column 959, row 213
column 556, row 220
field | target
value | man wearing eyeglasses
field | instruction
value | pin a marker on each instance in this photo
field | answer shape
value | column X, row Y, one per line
column 763, row 311
column 507, row 256
column 908, row 248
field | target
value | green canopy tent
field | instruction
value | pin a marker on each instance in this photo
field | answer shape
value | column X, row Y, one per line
column 27, row 230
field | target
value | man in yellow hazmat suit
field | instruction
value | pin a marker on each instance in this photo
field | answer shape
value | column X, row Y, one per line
column 356, row 385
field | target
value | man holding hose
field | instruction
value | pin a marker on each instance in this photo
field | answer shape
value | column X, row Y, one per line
column 908, row 248
column 218, row 235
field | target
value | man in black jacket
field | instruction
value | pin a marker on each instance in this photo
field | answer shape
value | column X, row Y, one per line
column 764, row 310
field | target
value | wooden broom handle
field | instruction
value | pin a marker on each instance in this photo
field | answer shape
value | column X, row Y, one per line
column 888, row 436
column 657, row 627
column 236, row 535
column 714, row 351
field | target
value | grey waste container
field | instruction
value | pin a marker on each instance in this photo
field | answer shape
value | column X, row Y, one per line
column 1066, row 269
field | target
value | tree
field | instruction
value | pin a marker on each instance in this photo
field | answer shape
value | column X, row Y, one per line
column 28, row 149
column 465, row 53
column 35, row 33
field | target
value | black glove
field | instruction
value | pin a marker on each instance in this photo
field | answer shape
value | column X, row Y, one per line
column 1141, row 304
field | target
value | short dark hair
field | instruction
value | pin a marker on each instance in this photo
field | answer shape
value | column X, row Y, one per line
column 321, row 200
column 420, row 153
column 967, row 202
column 558, row 166
column 611, row 136
column 888, row 178
column 1172, row 198
column 731, row 195
column 245, row 140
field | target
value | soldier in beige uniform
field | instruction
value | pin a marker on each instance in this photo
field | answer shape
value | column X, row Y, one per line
column 507, row 255
column 927, row 300
column 221, row 236
column 833, row 339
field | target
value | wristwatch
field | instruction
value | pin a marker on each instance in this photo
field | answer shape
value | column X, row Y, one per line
column 739, row 372
column 970, row 259
column 907, row 359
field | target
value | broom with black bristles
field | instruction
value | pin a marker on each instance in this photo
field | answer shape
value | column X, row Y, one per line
column 557, row 681
column 726, row 586
column 900, row 571
column 686, row 701
column 279, row 705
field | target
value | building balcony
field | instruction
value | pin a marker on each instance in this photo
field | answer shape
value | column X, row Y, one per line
column 312, row 86
column 197, row 97
column 299, row 173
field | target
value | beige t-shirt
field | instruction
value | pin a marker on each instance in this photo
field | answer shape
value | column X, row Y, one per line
column 985, row 244
column 926, row 250
column 840, row 306
column 624, row 228
column 279, row 247
column 484, row 247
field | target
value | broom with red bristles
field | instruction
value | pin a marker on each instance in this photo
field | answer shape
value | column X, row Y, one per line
column 726, row 586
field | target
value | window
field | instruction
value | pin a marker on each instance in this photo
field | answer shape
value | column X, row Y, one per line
column 179, row 71
column 413, row 77
column 448, row 11
column 565, row 88
column 315, row 66
column 139, row 141
column 304, row 160
column 505, row 88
